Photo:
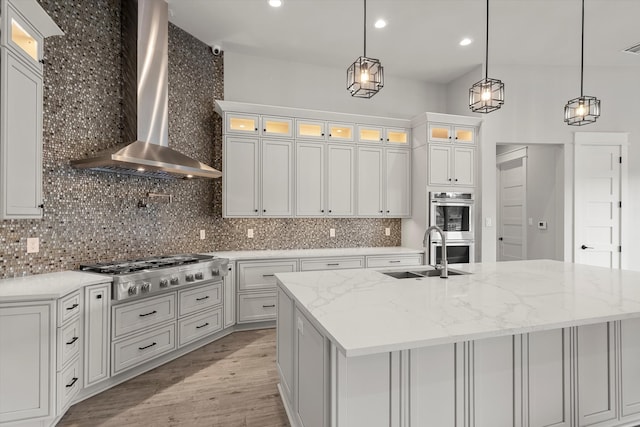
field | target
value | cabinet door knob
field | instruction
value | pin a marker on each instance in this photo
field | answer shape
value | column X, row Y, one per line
column 98, row 296
column 264, row 210
column 380, row 211
column 256, row 210
column 449, row 179
column 381, row 139
column 256, row 129
column 329, row 135
column 456, row 137
column 322, row 134
column 263, row 130
column 388, row 211
column 322, row 210
column 387, row 139
column 329, row 210
column 456, row 179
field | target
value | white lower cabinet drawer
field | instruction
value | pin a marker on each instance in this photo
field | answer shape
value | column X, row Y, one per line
column 391, row 261
column 134, row 316
column 256, row 307
column 253, row 276
column 69, row 341
column 198, row 326
column 142, row 348
column 69, row 382
column 68, row 307
column 331, row 263
column 200, row 298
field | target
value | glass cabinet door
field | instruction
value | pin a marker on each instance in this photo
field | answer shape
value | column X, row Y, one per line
column 277, row 126
column 340, row 132
column 369, row 134
column 242, row 123
column 397, row 136
column 464, row 134
column 23, row 39
column 310, row 129
column 439, row 133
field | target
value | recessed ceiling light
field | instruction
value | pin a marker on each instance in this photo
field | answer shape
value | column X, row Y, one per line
column 380, row 23
column 275, row 3
column 465, row 41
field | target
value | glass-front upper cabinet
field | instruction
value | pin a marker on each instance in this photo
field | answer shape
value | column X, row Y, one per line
column 23, row 39
column 439, row 133
column 340, row 132
column 246, row 124
column 370, row 134
column 464, row 134
column 397, row 136
column 277, row 126
column 310, row 129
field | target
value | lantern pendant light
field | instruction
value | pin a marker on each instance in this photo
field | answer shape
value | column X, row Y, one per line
column 365, row 77
column 585, row 109
column 487, row 95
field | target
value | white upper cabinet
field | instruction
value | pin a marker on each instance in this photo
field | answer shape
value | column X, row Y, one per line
column 397, row 183
column 277, row 127
column 246, row 124
column 439, row 165
column 397, row 136
column 370, row 182
column 24, row 25
column 277, row 178
column 310, row 129
column 463, row 166
column 340, row 180
column 240, row 180
column 370, row 134
column 342, row 132
column 310, row 179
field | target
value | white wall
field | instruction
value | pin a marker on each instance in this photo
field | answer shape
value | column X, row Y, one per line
column 274, row 82
column 533, row 113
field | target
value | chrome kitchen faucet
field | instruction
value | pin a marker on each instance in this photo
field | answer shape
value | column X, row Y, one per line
column 426, row 242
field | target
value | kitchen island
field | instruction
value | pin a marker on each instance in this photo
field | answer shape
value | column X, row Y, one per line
column 527, row 343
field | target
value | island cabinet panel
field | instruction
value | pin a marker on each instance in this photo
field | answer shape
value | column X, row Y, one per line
column 547, row 381
column 494, row 383
column 630, row 367
column 596, row 375
column 436, row 386
column 311, row 402
column 284, row 331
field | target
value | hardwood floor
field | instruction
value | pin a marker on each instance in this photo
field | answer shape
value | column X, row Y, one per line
column 230, row 382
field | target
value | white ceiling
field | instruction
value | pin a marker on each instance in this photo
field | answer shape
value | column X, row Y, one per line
column 421, row 38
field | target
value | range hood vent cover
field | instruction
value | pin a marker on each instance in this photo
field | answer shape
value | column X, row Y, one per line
column 145, row 37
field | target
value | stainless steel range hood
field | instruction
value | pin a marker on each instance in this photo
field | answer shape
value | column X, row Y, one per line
column 145, row 28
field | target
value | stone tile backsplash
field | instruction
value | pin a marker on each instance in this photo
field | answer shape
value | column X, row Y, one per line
column 93, row 216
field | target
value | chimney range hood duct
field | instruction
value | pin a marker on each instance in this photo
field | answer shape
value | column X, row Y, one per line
column 145, row 29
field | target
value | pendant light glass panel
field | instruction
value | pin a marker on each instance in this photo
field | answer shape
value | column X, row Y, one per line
column 365, row 77
column 582, row 111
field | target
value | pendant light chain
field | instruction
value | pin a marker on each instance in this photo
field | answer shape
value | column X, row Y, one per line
column 582, row 55
column 365, row 27
column 365, row 77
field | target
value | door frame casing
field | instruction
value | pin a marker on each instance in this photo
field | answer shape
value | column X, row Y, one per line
column 620, row 139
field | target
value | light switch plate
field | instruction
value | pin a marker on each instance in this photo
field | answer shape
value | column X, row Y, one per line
column 250, row 233
column 203, row 234
column 387, row 231
column 488, row 222
column 33, row 245
column 332, row 232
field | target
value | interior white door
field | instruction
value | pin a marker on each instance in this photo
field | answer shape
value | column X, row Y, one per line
column 597, row 205
column 512, row 181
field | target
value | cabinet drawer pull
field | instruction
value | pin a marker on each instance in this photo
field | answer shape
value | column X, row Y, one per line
column 202, row 326
column 147, row 346
column 203, row 298
column 268, row 275
column 72, row 341
column 148, row 314
column 73, row 381
column 268, row 305
column 333, row 264
column 394, row 261
column 72, row 307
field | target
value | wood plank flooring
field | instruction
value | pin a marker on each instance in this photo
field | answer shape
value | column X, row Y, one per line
column 230, row 382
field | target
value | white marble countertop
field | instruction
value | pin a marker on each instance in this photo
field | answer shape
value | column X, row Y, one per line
column 46, row 286
column 312, row 253
column 365, row 312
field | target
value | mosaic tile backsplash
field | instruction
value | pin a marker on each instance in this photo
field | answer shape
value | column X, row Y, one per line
column 93, row 216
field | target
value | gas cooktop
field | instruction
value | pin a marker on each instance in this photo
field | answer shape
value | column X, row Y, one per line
column 151, row 263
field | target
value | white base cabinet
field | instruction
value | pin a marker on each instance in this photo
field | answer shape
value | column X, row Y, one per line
column 573, row 377
column 97, row 329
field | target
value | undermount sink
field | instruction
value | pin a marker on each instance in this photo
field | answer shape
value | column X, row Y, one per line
column 421, row 273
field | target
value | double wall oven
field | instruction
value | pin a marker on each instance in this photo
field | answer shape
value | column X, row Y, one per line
column 454, row 214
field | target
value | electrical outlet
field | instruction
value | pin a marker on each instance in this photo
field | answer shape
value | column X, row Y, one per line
column 332, row 232
column 203, row 235
column 488, row 222
column 387, row 231
column 250, row 233
column 33, row 245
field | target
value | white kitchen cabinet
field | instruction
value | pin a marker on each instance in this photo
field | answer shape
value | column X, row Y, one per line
column 629, row 367
column 548, row 378
column 240, row 180
column 197, row 326
column 342, row 263
column 451, row 165
column 277, row 178
column 340, row 180
column 229, row 283
column 311, row 129
column 596, row 375
column 340, row 132
column 257, row 307
column 277, row 126
column 370, row 181
column 398, row 136
column 310, row 374
column 23, row 29
column 96, row 333
column 493, row 383
column 397, row 182
column 436, row 389
column 243, row 124
column 440, row 132
column 140, row 348
column 26, row 361
column 310, row 182
column 285, row 338
column 370, row 134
